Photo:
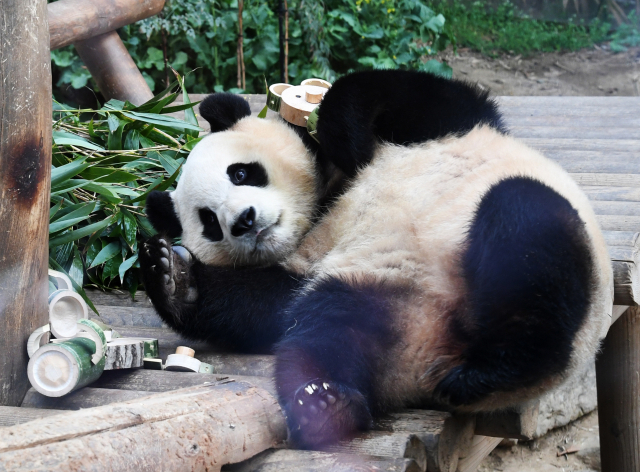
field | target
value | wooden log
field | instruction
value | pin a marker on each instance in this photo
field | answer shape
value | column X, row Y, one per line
column 445, row 436
column 115, row 298
column 627, row 283
column 25, row 176
column 163, row 381
column 284, row 460
column 519, row 422
column 617, row 369
column 385, row 444
column 12, row 415
column 77, row 20
column 617, row 312
column 198, row 428
column 111, row 66
column 129, row 316
column 124, row 353
column 481, row 447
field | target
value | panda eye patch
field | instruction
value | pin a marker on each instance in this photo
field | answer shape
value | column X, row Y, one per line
column 253, row 174
column 212, row 229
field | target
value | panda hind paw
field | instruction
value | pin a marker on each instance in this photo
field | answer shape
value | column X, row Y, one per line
column 167, row 272
column 324, row 412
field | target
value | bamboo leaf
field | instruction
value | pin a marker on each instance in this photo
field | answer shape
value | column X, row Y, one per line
column 76, row 271
column 62, row 138
column 82, row 232
column 108, row 252
column 177, row 108
column 126, row 265
column 62, row 173
column 162, row 120
column 129, row 227
column 66, row 223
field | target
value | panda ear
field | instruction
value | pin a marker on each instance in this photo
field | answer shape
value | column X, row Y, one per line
column 162, row 214
column 223, row 110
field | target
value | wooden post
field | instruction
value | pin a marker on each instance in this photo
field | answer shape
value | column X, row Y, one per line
column 25, row 181
column 111, row 66
column 76, row 20
column 618, row 379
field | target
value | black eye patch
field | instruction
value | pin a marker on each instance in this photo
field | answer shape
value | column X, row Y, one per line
column 212, row 229
column 253, row 174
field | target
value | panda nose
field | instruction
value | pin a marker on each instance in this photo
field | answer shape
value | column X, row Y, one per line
column 244, row 223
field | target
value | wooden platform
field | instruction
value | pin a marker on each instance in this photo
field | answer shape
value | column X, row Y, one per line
column 596, row 139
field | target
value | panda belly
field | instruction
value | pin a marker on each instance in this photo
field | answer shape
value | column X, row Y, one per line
column 467, row 272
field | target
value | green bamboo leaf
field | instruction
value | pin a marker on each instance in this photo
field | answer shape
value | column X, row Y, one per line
column 76, row 271
column 62, row 138
column 129, row 227
column 162, row 121
column 54, row 210
column 164, row 102
column 114, row 142
column 263, row 112
column 177, row 108
column 189, row 114
column 82, row 232
column 75, row 211
column 104, row 191
column 151, row 103
column 109, row 175
column 107, row 252
column 126, row 265
column 55, row 266
column 160, row 187
column 66, row 223
column 62, row 173
column 192, row 143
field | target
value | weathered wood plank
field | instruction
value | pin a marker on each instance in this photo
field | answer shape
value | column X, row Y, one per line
column 111, row 66
column 129, row 316
column 75, row 20
column 311, row 461
column 617, row 369
column 553, row 104
column 87, row 397
column 25, row 180
column 198, row 428
column 613, row 208
column 598, row 193
column 163, row 380
column 519, row 422
column 608, row 180
column 585, row 163
column 627, row 286
column 618, row 222
column 115, row 298
column 578, row 121
column 12, row 415
column 592, row 130
column 385, row 444
column 618, row 145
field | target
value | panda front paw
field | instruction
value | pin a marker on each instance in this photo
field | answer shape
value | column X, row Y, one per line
column 324, row 412
column 168, row 278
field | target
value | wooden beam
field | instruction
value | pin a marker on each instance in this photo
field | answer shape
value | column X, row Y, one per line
column 12, row 415
column 198, row 428
column 284, row 460
column 111, row 66
column 25, row 180
column 481, row 447
column 77, row 20
column 617, row 369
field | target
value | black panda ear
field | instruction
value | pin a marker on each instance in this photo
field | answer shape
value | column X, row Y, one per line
column 223, row 110
column 162, row 214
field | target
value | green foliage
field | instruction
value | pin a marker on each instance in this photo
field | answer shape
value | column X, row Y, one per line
column 325, row 40
column 504, row 30
column 103, row 170
column 628, row 34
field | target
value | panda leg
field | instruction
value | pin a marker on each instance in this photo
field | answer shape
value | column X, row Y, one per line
column 327, row 361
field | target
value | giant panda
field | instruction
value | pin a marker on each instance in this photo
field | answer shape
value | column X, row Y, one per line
column 461, row 269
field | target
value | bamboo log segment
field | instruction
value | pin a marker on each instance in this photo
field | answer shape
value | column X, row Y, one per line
column 198, row 428
column 77, row 20
column 617, row 369
column 25, row 172
column 481, row 447
column 111, row 66
column 519, row 422
column 284, row 460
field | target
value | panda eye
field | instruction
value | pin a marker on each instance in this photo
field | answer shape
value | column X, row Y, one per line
column 239, row 176
column 253, row 174
column 211, row 225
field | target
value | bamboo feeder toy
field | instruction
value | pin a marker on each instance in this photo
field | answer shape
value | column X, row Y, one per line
column 62, row 281
column 296, row 103
column 66, row 308
column 58, row 368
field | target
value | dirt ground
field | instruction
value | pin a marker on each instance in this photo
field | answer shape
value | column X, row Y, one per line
column 589, row 72
column 595, row 72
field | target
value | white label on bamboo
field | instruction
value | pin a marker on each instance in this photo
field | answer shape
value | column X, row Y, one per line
column 66, row 308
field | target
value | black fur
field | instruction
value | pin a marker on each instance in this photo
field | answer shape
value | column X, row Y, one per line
column 399, row 107
column 339, row 335
column 253, row 173
column 212, row 229
column 529, row 272
column 223, row 110
column 162, row 214
column 242, row 309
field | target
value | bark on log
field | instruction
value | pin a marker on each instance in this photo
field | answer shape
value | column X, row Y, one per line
column 111, row 66
column 25, row 179
column 198, row 428
column 77, row 20
column 311, row 461
column 617, row 369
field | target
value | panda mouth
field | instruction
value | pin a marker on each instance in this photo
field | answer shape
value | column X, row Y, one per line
column 264, row 232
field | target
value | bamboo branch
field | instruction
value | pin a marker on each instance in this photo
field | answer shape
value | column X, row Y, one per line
column 241, row 75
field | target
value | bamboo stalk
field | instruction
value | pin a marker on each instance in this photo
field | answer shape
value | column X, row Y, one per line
column 241, row 73
column 286, row 42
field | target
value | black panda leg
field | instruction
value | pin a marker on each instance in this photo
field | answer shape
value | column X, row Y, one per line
column 338, row 337
column 241, row 309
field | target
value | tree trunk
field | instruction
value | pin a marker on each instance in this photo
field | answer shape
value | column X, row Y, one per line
column 25, row 180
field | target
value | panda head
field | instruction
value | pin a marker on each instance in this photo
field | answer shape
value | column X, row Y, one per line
column 247, row 191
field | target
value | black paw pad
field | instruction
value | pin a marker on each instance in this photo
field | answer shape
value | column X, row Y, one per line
column 323, row 412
